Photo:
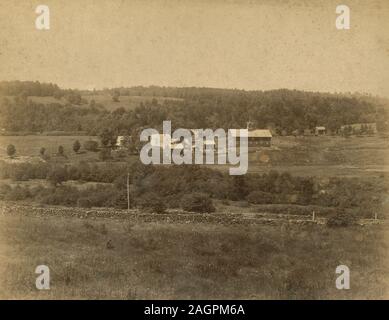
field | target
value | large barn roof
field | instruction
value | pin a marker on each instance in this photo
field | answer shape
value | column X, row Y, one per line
column 258, row 133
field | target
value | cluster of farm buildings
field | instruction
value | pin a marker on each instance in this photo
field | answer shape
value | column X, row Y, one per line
column 263, row 137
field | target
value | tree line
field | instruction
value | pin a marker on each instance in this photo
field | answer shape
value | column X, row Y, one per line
column 280, row 110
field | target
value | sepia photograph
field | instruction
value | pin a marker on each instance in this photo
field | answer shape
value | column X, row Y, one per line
column 171, row 150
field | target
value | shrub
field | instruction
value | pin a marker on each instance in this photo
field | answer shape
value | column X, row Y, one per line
column 117, row 198
column 66, row 196
column 20, row 173
column 61, row 151
column 197, row 202
column 4, row 190
column 259, row 197
column 11, row 150
column 172, row 201
column 119, row 153
column 15, row 193
column 105, row 154
column 23, row 171
column 18, row 193
column 76, row 146
column 91, row 145
column 84, row 202
column 153, row 203
column 341, row 219
column 115, row 96
column 57, row 175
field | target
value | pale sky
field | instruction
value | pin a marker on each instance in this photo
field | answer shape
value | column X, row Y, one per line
column 227, row 44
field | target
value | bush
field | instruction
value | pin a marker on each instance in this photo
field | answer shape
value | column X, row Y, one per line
column 91, row 145
column 84, row 202
column 23, row 171
column 57, row 175
column 62, row 195
column 11, row 150
column 4, row 190
column 17, row 193
column 61, row 151
column 197, row 202
column 118, row 199
column 119, row 153
column 153, row 203
column 76, row 146
column 259, row 197
column 105, row 154
column 341, row 219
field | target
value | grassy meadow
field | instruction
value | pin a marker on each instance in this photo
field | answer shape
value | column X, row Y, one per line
column 30, row 145
column 102, row 258
column 187, row 261
column 301, row 156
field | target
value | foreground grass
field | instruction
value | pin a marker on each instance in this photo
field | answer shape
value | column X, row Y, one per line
column 187, row 261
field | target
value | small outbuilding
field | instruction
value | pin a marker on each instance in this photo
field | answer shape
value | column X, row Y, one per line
column 320, row 131
column 123, row 142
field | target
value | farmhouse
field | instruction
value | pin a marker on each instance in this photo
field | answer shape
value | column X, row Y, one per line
column 319, row 131
column 256, row 138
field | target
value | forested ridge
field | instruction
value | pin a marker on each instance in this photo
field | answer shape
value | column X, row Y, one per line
column 280, row 110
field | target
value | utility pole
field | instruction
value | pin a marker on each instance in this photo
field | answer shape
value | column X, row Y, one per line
column 128, row 191
column 313, row 215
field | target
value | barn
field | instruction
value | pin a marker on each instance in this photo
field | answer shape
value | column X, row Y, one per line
column 256, row 138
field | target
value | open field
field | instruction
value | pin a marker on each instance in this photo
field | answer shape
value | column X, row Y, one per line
column 127, row 102
column 325, row 150
column 326, row 171
column 301, row 156
column 161, row 260
column 29, row 146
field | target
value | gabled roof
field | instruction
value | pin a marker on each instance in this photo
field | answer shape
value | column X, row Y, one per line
column 258, row 133
column 320, row 128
